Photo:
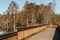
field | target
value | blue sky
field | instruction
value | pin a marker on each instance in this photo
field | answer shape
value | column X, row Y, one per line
column 5, row 3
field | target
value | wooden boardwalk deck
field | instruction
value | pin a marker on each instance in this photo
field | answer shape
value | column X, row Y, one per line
column 47, row 34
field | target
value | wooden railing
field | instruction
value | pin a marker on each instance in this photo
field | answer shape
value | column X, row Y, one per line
column 23, row 32
column 9, row 36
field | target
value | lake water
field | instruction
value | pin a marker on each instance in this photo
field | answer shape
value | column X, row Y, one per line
column 3, row 32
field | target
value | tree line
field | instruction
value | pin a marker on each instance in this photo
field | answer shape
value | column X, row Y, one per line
column 31, row 14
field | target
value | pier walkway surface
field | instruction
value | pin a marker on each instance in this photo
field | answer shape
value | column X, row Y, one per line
column 46, row 34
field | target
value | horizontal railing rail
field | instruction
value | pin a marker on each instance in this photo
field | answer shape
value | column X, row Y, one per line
column 30, row 27
column 4, row 36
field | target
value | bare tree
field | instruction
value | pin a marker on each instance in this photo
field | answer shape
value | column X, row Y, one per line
column 12, row 10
